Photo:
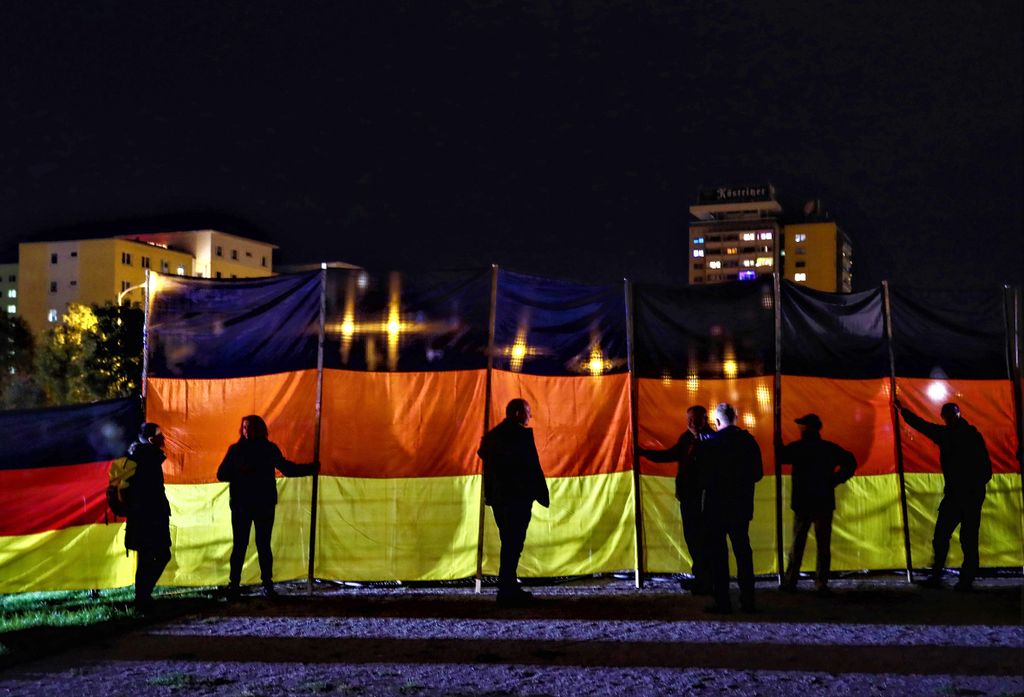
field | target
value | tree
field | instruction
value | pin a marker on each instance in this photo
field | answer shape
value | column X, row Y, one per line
column 94, row 353
column 17, row 388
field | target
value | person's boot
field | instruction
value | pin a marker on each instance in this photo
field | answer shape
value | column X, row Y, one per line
column 269, row 593
column 934, row 580
column 232, row 593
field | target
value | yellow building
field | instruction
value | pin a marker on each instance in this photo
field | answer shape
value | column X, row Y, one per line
column 818, row 255
column 55, row 274
column 9, row 288
column 217, row 254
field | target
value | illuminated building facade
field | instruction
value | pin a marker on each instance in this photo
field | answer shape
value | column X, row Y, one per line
column 739, row 235
column 736, row 235
column 9, row 288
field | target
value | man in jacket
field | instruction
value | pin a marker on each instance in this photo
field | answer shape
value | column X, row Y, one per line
column 966, row 469
column 513, row 480
column 819, row 466
column 730, row 466
column 147, row 530
column 688, row 493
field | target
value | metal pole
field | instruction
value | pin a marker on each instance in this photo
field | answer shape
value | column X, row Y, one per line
column 897, row 437
column 145, row 343
column 316, row 426
column 487, row 423
column 777, row 424
column 1013, row 354
column 634, row 419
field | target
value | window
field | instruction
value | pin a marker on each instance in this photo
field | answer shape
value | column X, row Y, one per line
column 11, row 309
column 12, row 293
column 144, row 261
column 748, row 262
column 53, row 286
column 220, row 251
column 218, row 274
column 801, row 264
column 12, row 279
column 248, row 253
column 698, row 279
column 125, row 285
column 74, row 254
column 732, row 250
column 73, row 283
column 698, row 264
column 799, row 237
column 748, row 250
column 53, row 258
column 234, row 254
column 714, row 238
column 801, row 250
column 126, row 258
column 263, row 261
column 164, row 267
column 800, row 277
column 747, row 275
column 234, row 276
column 731, row 264
column 764, row 261
column 730, row 238
column 749, row 236
column 697, row 253
column 52, row 315
column 764, row 235
column 730, row 277
column 698, row 240
column 181, row 270
column 714, row 264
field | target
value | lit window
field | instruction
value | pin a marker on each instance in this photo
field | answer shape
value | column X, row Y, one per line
column 53, row 286
column 800, row 277
column 698, row 240
column 748, row 262
column 181, row 270
column 763, row 261
column 747, row 236
column 11, row 309
column 12, row 293
column 799, row 237
column 51, row 315
column 714, row 264
column 732, row 250
column 747, row 275
column 698, row 252
column 765, row 235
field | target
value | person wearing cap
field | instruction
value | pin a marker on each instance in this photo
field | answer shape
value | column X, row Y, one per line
column 819, row 466
column 147, row 530
column 966, row 469
column 688, row 492
column 729, row 465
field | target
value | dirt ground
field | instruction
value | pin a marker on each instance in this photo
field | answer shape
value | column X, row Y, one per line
column 589, row 637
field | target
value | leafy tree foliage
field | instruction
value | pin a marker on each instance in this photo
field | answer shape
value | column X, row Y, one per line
column 16, row 353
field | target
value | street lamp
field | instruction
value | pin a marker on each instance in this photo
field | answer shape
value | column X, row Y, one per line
column 120, row 296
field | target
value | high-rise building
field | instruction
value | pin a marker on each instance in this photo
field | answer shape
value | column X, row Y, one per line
column 736, row 234
column 52, row 275
column 739, row 235
column 9, row 288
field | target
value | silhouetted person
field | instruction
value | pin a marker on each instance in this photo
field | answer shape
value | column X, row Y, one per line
column 513, row 480
column 730, row 466
column 819, row 466
column 147, row 530
column 688, row 492
column 249, row 467
column 966, row 469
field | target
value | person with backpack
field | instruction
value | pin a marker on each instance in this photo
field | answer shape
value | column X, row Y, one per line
column 249, row 468
column 148, row 513
column 966, row 469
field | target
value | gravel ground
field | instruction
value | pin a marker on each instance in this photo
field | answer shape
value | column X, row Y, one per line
column 590, row 637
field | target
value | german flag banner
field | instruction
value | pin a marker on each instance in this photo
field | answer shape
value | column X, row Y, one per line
column 219, row 351
column 56, row 531
column 951, row 346
column 700, row 347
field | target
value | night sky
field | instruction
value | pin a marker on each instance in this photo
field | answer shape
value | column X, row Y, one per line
column 561, row 138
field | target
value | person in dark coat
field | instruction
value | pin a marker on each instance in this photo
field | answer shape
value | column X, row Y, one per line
column 730, row 465
column 966, row 469
column 249, row 467
column 688, row 493
column 147, row 530
column 513, row 480
column 819, row 466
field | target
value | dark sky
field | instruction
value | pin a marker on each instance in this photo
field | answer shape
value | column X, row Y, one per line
column 561, row 138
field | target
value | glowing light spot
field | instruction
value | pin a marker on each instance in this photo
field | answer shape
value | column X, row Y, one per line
column 692, row 382
column 394, row 327
column 519, row 352
column 666, row 377
column 764, row 398
column 348, row 328
column 937, row 391
column 749, row 421
column 730, row 368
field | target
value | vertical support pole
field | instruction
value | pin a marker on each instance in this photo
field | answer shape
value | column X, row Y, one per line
column 634, row 419
column 777, row 423
column 487, row 422
column 897, row 436
column 316, row 426
column 145, row 342
column 1013, row 364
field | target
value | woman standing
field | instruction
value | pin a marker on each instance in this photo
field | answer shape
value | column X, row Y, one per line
column 249, row 467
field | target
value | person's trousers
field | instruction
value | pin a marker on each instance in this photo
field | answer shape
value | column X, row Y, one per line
column 512, row 519
column 242, row 520
column 802, row 523
column 693, row 536
column 737, row 531
column 151, row 562
column 966, row 513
